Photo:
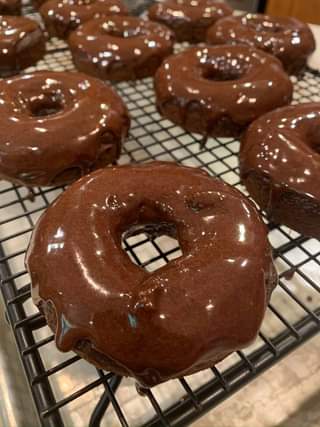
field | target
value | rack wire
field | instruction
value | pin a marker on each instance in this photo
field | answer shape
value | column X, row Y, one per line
column 67, row 391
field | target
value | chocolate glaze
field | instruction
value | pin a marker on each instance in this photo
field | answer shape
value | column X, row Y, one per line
column 56, row 127
column 10, row 7
column 189, row 19
column 120, row 47
column 287, row 38
column 280, row 166
column 22, row 44
column 219, row 90
column 37, row 3
column 182, row 318
column 63, row 16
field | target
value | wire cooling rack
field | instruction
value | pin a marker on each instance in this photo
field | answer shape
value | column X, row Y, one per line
column 70, row 392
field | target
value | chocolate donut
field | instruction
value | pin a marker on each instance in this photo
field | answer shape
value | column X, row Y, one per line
column 175, row 321
column 219, row 90
column 189, row 19
column 63, row 16
column 280, row 166
column 287, row 38
column 120, row 47
column 56, row 127
column 10, row 7
column 22, row 44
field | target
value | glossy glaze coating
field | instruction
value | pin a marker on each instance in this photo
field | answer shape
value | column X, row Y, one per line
column 22, row 44
column 280, row 165
column 219, row 90
column 37, row 3
column 120, row 47
column 56, row 127
column 63, row 16
column 287, row 38
column 155, row 326
column 189, row 19
column 10, row 7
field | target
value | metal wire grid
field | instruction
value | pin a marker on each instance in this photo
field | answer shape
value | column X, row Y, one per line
column 67, row 390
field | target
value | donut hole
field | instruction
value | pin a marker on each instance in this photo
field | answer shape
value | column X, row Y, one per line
column 45, row 105
column 225, row 69
column 196, row 206
column 152, row 245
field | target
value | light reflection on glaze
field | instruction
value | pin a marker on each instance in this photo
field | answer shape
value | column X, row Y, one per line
column 189, row 19
column 201, row 87
column 283, row 149
column 63, row 16
column 120, row 48
column 287, row 38
column 182, row 318
column 22, row 44
column 63, row 126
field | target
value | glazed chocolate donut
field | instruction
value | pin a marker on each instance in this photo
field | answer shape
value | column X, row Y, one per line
column 10, row 7
column 180, row 319
column 287, row 38
column 219, row 90
column 120, row 47
column 189, row 19
column 22, row 44
column 56, row 127
column 63, row 16
column 280, row 166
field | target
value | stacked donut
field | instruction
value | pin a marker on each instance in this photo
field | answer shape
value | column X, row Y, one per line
column 57, row 128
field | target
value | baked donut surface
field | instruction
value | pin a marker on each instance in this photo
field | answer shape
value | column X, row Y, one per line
column 219, row 90
column 280, row 166
column 287, row 38
column 10, row 7
column 189, row 19
column 22, row 44
column 63, row 16
column 57, row 126
column 120, row 47
column 177, row 320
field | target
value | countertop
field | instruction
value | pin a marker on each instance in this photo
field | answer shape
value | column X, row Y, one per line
column 287, row 395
